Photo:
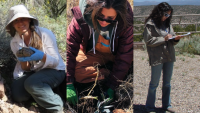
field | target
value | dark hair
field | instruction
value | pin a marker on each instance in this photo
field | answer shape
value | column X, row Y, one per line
column 158, row 12
column 120, row 6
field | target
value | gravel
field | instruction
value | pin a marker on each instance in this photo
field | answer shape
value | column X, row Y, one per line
column 185, row 92
column 185, row 83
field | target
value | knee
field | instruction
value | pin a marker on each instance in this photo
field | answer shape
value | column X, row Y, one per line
column 30, row 85
column 166, row 84
column 153, row 87
column 153, row 84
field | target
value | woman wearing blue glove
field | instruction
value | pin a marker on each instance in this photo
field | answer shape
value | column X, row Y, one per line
column 101, row 31
column 35, row 76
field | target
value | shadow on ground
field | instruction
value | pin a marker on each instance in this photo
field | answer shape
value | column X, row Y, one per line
column 142, row 109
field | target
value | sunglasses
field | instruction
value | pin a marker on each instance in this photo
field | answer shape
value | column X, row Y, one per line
column 167, row 15
column 107, row 20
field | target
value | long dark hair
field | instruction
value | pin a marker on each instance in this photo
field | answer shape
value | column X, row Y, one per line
column 120, row 6
column 158, row 12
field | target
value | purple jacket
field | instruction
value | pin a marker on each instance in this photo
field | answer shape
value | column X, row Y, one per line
column 78, row 33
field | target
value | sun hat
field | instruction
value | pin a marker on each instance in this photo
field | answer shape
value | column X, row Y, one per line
column 15, row 12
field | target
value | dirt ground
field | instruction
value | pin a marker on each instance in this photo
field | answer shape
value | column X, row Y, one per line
column 124, row 100
column 185, row 92
column 185, row 83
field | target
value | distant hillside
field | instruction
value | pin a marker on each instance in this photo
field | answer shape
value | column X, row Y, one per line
column 186, row 9
column 171, row 2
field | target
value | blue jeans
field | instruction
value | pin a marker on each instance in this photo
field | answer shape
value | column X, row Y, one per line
column 166, row 88
column 39, row 85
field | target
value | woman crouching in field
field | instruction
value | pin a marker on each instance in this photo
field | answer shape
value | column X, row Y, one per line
column 40, row 67
column 101, row 31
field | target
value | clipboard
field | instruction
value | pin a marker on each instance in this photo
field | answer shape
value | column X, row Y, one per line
column 181, row 35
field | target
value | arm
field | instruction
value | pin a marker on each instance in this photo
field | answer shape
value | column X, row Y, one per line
column 25, row 66
column 74, row 39
column 51, row 53
column 123, row 58
column 150, row 40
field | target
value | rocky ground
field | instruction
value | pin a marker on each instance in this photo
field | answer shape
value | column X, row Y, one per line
column 185, row 91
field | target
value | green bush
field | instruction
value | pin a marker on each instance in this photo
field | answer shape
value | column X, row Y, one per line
column 177, row 28
column 190, row 28
column 198, row 28
column 189, row 45
column 138, row 38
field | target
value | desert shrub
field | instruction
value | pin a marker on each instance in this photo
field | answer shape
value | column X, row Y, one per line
column 190, row 28
column 189, row 45
column 55, row 8
column 177, row 28
column 138, row 38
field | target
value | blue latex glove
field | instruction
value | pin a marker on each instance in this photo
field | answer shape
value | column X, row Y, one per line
column 38, row 55
column 110, row 92
column 71, row 94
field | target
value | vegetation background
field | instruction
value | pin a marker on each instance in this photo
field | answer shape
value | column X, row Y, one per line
column 178, row 10
column 189, row 45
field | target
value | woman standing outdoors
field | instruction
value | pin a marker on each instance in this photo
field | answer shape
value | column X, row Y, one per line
column 158, row 35
column 38, row 74
column 100, row 31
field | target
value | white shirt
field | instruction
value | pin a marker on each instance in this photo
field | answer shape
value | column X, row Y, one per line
column 53, row 57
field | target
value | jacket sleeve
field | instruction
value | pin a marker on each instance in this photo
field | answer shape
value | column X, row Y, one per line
column 123, row 59
column 150, row 40
column 50, row 48
column 74, row 39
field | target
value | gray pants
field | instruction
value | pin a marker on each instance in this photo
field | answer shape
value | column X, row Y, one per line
column 39, row 85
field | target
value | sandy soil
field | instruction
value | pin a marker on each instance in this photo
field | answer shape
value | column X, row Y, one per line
column 185, row 90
